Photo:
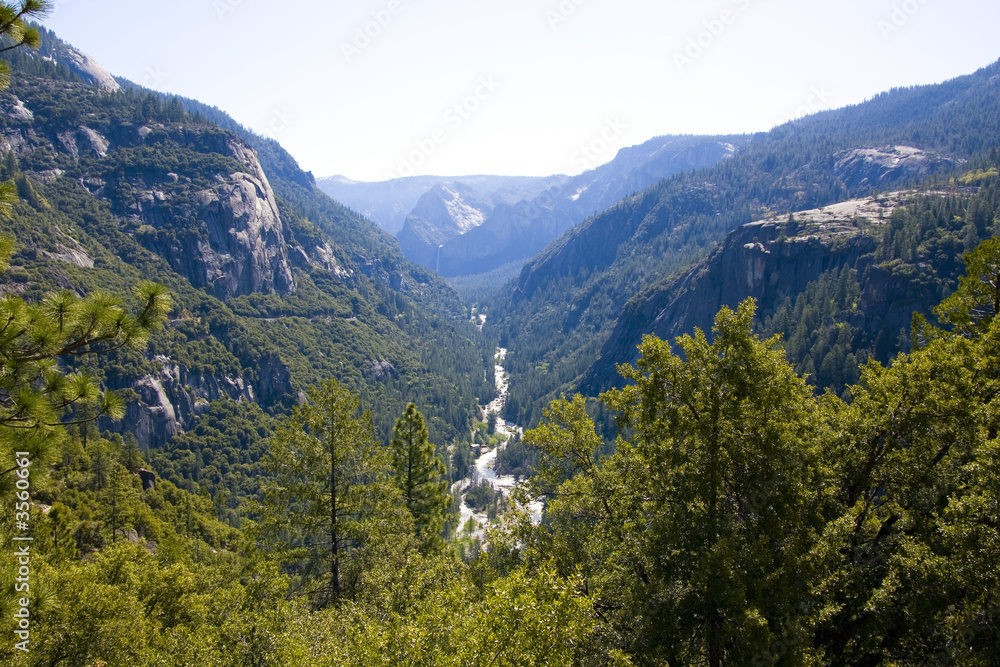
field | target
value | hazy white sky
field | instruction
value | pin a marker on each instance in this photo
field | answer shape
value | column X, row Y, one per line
column 376, row 88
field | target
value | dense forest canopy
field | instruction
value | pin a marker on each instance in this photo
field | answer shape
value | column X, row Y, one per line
column 791, row 485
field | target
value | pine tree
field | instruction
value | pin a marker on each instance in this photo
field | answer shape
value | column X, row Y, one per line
column 131, row 456
column 35, row 391
column 100, row 465
column 331, row 491
column 692, row 535
column 15, row 31
column 419, row 474
column 119, row 498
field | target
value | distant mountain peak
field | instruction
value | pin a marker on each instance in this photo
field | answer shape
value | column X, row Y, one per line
column 464, row 215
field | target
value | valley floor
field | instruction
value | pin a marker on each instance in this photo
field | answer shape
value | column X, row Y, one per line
column 484, row 464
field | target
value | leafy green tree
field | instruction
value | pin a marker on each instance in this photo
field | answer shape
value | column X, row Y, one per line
column 100, row 466
column 692, row 536
column 977, row 300
column 419, row 473
column 131, row 456
column 331, row 490
column 727, row 434
column 911, row 545
column 119, row 497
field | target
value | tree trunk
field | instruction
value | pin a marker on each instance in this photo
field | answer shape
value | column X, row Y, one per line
column 334, row 532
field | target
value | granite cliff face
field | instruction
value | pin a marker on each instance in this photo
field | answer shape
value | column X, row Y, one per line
column 189, row 192
column 245, row 252
column 227, row 238
column 769, row 260
column 877, row 168
column 171, row 401
column 241, row 248
column 79, row 62
column 443, row 213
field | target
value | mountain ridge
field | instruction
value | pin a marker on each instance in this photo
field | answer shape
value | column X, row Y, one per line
column 276, row 286
column 556, row 316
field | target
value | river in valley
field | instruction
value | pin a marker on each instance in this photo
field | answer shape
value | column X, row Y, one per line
column 485, row 461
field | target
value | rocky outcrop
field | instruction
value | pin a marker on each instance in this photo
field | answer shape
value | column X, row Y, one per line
column 274, row 380
column 83, row 140
column 152, row 418
column 241, row 248
column 14, row 109
column 245, row 251
column 884, row 168
column 148, row 479
column 769, row 260
column 381, row 370
column 318, row 256
column 172, row 400
column 71, row 256
column 86, row 67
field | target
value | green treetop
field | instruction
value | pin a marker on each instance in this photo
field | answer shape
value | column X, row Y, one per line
column 330, row 493
column 977, row 300
column 419, row 475
column 691, row 536
column 15, row 31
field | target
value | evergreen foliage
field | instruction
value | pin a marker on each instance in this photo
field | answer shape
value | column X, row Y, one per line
column 738, row 517
column 330, row 490
column 419, row 474
column 744, row 520
column 556, row 316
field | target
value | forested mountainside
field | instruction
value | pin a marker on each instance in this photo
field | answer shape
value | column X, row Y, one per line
column 558, row 315
column 275, row 286
column 840, row 284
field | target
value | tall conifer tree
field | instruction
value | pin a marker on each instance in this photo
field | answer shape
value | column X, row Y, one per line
column 419, row 475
